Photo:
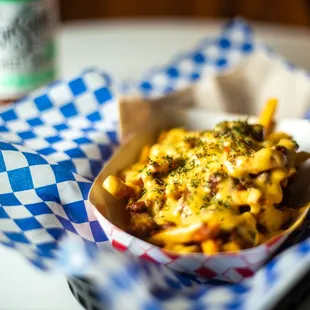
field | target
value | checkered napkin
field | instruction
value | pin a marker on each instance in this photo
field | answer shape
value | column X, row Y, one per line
column 210, row 56
column 52, row 145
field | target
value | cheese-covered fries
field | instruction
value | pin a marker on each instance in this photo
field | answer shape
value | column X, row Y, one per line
column 213, row 190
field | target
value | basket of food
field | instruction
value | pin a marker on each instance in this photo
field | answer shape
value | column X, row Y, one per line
column 211, row 195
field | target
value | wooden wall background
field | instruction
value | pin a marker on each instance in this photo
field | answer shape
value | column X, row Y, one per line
column 296, row 12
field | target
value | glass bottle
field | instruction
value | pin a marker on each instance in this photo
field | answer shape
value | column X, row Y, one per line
column 27, row 46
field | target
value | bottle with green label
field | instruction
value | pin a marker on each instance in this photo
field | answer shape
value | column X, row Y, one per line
column 27, row 45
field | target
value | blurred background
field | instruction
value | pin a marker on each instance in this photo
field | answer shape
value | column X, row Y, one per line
column 291, row 12
column 127, row 37
column 118, row 34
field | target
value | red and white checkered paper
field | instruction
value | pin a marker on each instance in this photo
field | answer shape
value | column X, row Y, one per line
column 231, row 267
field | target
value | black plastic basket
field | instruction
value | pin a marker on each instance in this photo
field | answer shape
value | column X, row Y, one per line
column 85, row 293
column 298, row 297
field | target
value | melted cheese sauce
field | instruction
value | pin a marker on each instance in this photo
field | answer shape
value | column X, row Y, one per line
column 229, row 177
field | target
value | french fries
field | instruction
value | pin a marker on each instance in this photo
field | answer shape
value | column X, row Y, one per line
column 162, row 136
column 144, row 155
column 176, row 235
column 209, row 247
column 179, row 248
column 267, row 116
column 163, row 188
column 116, row 187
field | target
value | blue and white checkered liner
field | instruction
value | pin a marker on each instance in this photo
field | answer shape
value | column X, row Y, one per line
column 52, row 145
column 211, row 56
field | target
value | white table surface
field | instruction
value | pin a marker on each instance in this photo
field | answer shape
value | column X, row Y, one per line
column 126, row 48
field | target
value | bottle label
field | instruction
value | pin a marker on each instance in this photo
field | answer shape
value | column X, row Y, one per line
column 27, row 47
